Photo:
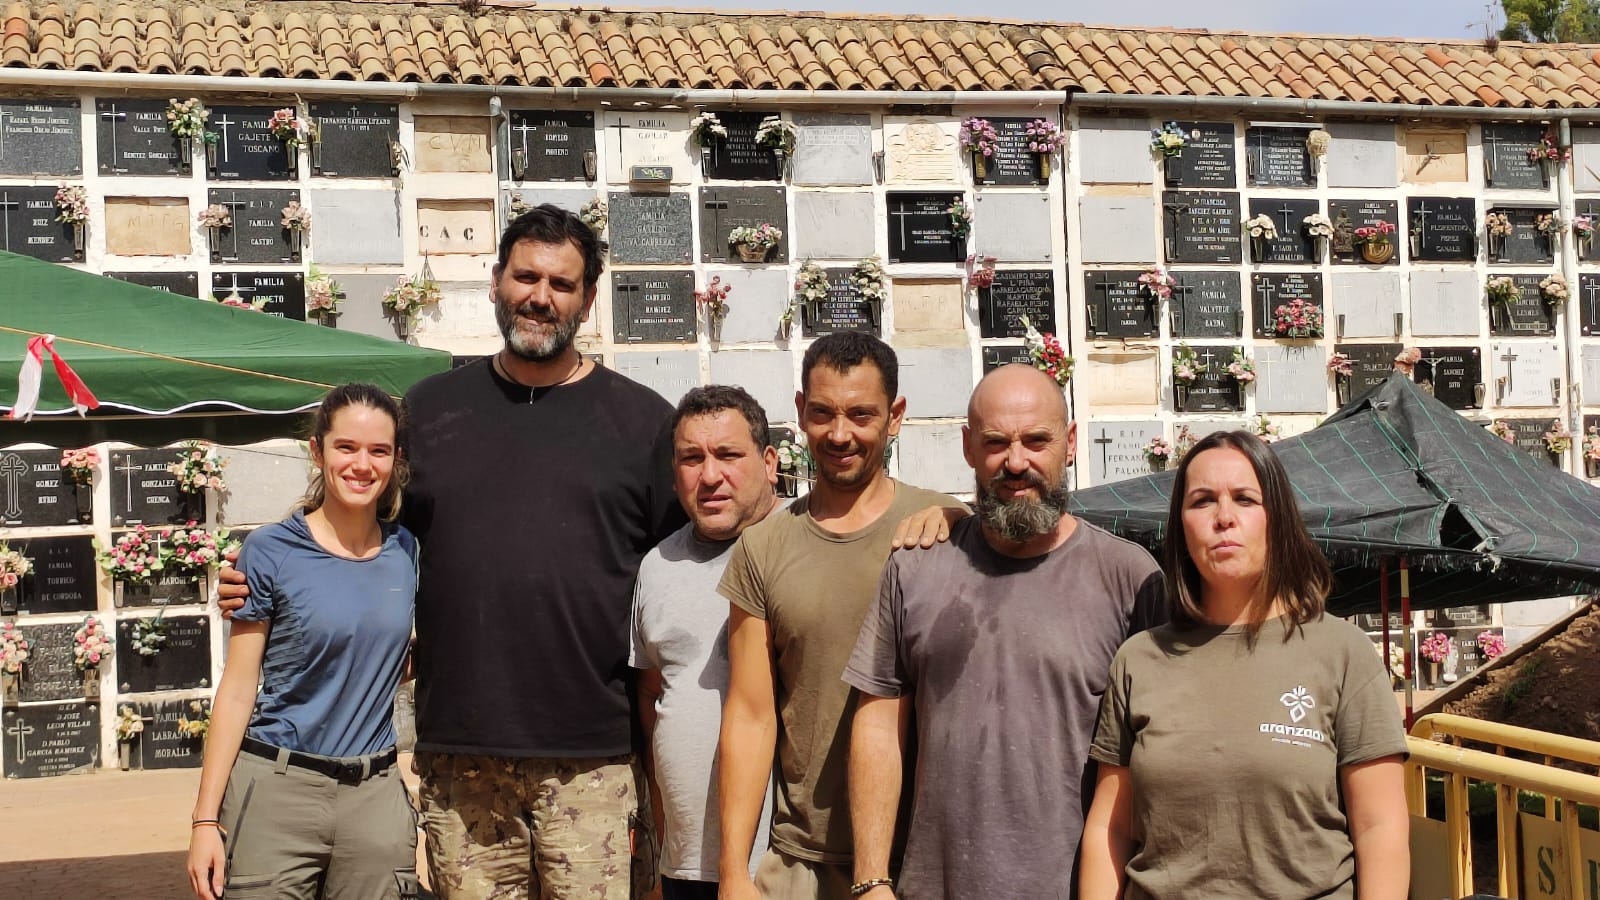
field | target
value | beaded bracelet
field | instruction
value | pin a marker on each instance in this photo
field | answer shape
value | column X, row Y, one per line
column 862, row 887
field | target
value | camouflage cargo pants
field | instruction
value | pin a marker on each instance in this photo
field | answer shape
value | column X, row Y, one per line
column 501, row 828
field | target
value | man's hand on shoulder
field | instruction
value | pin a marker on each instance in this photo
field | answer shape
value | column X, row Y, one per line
column 927, row 527
column 231, row 587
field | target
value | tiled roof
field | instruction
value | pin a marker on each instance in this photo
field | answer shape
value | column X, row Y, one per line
column 519, row 44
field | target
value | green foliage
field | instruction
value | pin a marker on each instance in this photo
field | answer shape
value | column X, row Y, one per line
column 1546, row 21
column 1519, row 686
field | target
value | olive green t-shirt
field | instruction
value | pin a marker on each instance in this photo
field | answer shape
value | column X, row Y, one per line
column 1234, row 751
column 813, row 587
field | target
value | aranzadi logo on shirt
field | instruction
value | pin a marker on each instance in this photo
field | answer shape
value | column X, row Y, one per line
column 1297, row 703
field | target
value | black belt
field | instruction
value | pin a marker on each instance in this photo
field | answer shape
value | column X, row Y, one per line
column 352, row 770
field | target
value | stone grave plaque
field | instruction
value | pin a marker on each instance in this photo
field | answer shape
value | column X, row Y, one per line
column 650, row 228
column 246, row 148
column 670, row 373
column 656, row 139
column 1201, row 226
column 186, row 284
column 1453, row 375
column 920, row 229
column 921, row 149
column 1588, row 251
column 1291, row 378
column 285, row 292
column 1366, row 304
column 1115, row 450
column 1214, row 390
column 1292, row 245
column 65, row 577
column 653, row 307
column 257, row 234
column 1270, row 290
column 768, row 375
column 50, row 673
column 53, row 739
column 1372, row 365
column 1528, row 436
column 995, row 357
column 832, row 149
column 1113, row 150
column 936, row 382
column 1588, row 302
column 1208, row 161
column 355, row 140
column 356, row 227
column 32, row 491
column 1525, row 374
column 842, row 310
column 148, row 226
column 161, row 745
column 184, row 661
column 133, row 138
column 143, row 492
column 1590, row 365
column 451, row 144
column 1014, row 226
column 759, row 296
column 1443, row 228
column 1014, row 294
column 1526, row 315
column 456, row 227
column 1446, row 303
column 1116, row 229
column 930, row 454
column 175, row 589
column 1353, row 214
column 551, row 146
column 1012, row 162
column 1278, row 157
column 929, row 312
column 1525, row 245
column 40, row 137
column 738, row 157
column 835, row 224
column 1362, row 155
column 1505, row 157
column 1130, row 379
column 1435, row 157
column 723, row 209
column 1207, row 304
column 1117, row 306
column 28, row 224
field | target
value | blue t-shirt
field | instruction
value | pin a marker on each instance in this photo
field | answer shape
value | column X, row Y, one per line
column 338, row 638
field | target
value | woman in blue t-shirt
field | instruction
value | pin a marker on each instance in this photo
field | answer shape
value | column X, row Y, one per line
column 300, row 787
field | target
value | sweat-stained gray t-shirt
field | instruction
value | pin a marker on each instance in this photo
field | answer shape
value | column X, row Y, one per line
column 1005, row 660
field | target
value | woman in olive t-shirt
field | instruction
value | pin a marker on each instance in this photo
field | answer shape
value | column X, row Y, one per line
column 1251, row 747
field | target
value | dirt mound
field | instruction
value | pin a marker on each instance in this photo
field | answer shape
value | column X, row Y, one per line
column 1551, row 688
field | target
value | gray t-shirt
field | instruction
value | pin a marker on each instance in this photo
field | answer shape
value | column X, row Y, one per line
column 680, row 627
column 1234, row 750
column 1006, row 660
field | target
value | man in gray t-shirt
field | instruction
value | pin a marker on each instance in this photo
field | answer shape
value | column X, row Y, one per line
column 1001, row 641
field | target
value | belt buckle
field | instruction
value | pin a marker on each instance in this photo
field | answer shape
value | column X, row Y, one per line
column 348, row 772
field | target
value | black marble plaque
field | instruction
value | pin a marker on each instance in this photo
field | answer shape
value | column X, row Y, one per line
column 723, row 209
column 1587, row 300
column 185, row 283
column 285, row 292
column 550, row 146
column 1012, row 162
column 1372, row 364
column 51, row 739
column 1207, row 304
column 1215, row 390
column 1364, row 214
column 1453, row 375
column 354, row 140
column 843, row 310
column 1525, row 245
column 1270, row 290
column 28, row 224
column 654, row 307
column 50, row 673
column 995, row 357
column 64, row 579
column 40, row 137
column 1279, row 157
column 1374, row 622
column 161, row 745
column 1014, row 294
column 1528, row 436
column 1460, row 617
column 1201, row 226
column 1526, row 315
column 738, row 157
column 1292, row 245
column 257, row 234
column 32, row 491
column 174, row 589
column 1117, row 306
column 184, row 661
column 920, row 229
column 650, row 228
column 246, row 148
column 1505, row 157
column 133, row 138
column 1443, row 228
column 1208, row 161
column 143, row 492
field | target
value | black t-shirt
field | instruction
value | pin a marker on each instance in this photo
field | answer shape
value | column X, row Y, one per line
column 533, row 509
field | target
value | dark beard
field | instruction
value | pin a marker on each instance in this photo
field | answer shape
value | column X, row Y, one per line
column 1021, row 518
column 544, row 349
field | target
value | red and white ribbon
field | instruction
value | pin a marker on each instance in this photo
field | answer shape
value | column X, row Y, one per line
column 32, row 371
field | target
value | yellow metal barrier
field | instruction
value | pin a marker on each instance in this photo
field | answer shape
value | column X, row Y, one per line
column 1460, row 765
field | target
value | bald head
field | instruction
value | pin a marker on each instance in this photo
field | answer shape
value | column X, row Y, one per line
column 1018, row 387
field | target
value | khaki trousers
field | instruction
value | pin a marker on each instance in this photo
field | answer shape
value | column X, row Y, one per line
column 783, row 877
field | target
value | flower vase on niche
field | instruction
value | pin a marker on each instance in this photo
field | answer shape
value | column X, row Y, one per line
column 705, row 162
column 1158, row 464
column 185, row 153
column 1591, row 467
column 214, row 239
column 1044, row 166
column 91, row 683
column 211, row 156
column 714, row 328
column 980, row 166
column 1376, row 253
column 79, row 238
column 9, row 600
column 1258, row 249
column 124, row 754
column 133, row 593
column 1341, row 390
column 296, row 241
column 1180, row 394
column 9, row 688
column 751, row 253
column 1432, row 668
column 782, row 156
column 83, row 495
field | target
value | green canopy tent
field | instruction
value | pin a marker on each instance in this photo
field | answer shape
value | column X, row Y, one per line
column 166, row 367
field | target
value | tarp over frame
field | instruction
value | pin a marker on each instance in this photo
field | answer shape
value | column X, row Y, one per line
column 1397, row 473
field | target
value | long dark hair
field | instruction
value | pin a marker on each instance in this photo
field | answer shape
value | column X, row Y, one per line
column 1296, row 572
column 368, row 395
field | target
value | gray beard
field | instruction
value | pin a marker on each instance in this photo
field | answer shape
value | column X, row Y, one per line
column 530, row 348
column 1021, row 518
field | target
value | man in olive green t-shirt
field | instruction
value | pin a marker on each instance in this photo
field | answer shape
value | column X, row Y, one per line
column 800, row 583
